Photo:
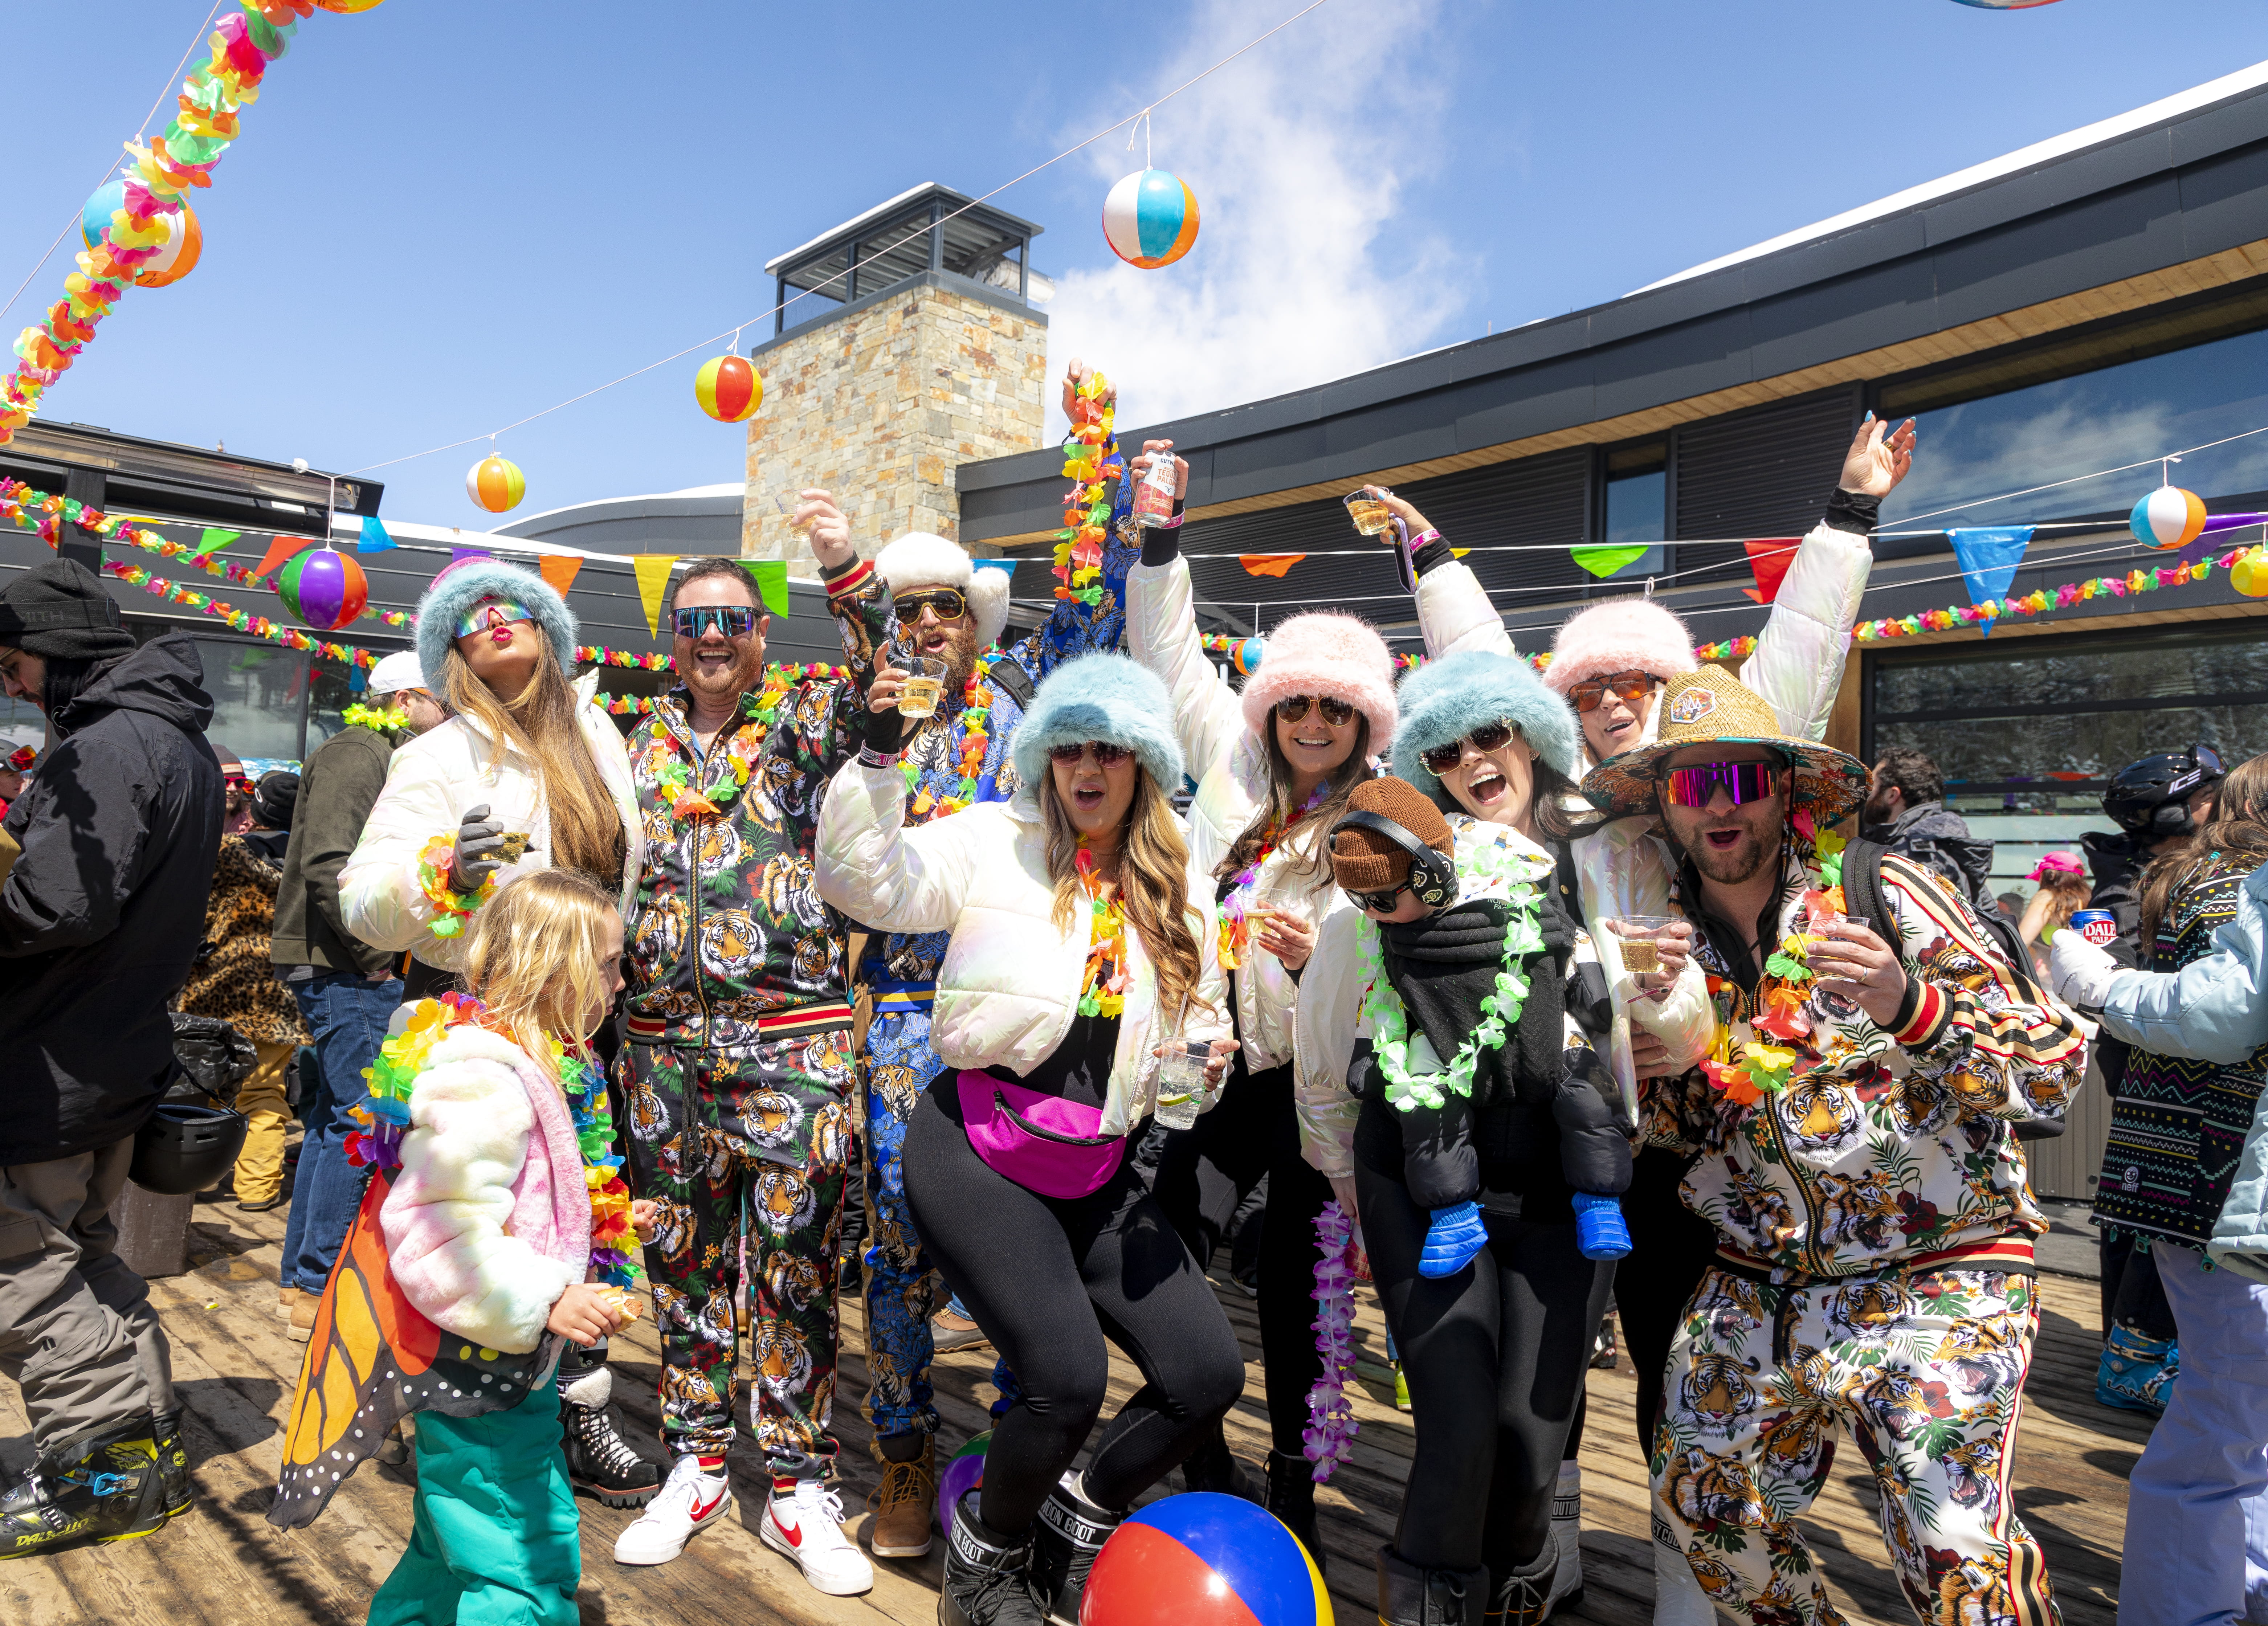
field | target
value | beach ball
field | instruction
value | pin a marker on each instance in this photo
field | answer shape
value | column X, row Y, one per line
column 963, row 1473
column 1203, row 1559
column 1151, row 218
column 1244, row 655
column 729, row 389
column 2249, row 575
column 496, row 483
column 173, row 262
column 323, row 588
column 2167, row 517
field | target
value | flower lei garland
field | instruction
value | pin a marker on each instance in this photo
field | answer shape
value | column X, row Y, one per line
column 1328, row 1440
column 1091, row 460
column 1235, row 935
column 1103, row 991
column 666, row 759
column 452, row 909
column 379, row 719
column 1521, row 875
column 610, row 1195
column 975, row 711
column 1745, row 1069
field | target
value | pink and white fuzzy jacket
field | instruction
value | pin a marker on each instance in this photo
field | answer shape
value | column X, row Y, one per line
column 489, row 1217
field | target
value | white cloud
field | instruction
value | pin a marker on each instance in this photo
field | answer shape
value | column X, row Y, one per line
column 1303, row 270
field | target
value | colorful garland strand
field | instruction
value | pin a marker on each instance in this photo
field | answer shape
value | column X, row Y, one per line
column 1091, row 462
column 1328, row 1440
column 2036, row 602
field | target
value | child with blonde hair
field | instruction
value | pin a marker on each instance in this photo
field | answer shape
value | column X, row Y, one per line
column 500, row 1236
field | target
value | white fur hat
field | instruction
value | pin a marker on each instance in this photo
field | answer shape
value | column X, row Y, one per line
column 917, row 559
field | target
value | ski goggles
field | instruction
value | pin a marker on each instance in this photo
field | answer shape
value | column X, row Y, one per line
column 489, row 613
column 1697, row 786
column 1106, row 754
column 1293, row 708
column 1629, row 687
column 1488, row 737
column 734, row 621
column 949, row 603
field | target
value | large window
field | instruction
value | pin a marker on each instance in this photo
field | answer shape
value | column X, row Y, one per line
column 1638, row 505
column 2029, row 731
column 259, row 694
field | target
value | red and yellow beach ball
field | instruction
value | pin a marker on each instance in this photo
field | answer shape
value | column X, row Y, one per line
column 729, row 389
column 496, row 484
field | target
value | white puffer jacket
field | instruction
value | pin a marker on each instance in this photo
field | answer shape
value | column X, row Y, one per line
column 430, row 783
column 1010, row 983
column 1231, row 767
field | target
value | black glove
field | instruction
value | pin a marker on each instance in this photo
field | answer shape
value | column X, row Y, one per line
column 885, row 731
column 478, row 853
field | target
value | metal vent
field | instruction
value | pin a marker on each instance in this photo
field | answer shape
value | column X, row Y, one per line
column 1763, row 472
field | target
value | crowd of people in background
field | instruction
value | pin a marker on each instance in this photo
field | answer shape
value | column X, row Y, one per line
column 1045, row 963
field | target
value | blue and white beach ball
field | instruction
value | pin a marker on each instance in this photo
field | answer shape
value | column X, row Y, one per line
column 1151, row 218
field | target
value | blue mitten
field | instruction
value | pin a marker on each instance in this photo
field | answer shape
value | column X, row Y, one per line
column 1452, row 1239
column 1600, row 1232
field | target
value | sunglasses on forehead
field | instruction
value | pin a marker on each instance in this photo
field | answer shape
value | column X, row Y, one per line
column 950, row 603
column 1293, row 709
column 491, row 613
column 1106, row 754
column 1488, row 737
column 734, row 621
column 1697, row 786
column 1629, row 687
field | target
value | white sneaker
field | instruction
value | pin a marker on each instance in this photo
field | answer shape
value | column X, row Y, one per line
column 805, row 1524
column 689, row 1500
column 1678, row 1599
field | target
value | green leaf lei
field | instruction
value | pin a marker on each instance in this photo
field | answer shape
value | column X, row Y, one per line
column 1516, row 876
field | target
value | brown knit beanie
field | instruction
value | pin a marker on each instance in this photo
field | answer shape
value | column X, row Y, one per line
column 1364, row 860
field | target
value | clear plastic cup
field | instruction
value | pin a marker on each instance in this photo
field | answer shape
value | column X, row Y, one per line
column 924, row 685
column 1181, row 1081
column 1639, row 939
column 1371, row 515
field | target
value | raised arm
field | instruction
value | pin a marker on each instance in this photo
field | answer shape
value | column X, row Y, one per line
column 1454, row 610
column 860, row 605
column 1797, row 664
column 1161, row 633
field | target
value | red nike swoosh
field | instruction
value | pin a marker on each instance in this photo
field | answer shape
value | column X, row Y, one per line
column 703, row 1510
column 794, row 1532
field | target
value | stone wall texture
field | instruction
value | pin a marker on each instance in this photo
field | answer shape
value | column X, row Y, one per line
column 880, row 406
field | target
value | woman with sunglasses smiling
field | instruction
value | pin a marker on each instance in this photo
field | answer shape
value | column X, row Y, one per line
column 1081, row 948
column 1275, row 766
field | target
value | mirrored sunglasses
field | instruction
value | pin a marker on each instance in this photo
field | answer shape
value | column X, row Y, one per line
column 950, row 603
column 1488, row 737
column 1630, row 689
column 1105, row 754
column 1338, row 713
column 492, row 612
column 734, row 621
column 1697, row 785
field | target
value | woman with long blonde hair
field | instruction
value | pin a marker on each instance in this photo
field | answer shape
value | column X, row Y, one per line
column 1081, row 990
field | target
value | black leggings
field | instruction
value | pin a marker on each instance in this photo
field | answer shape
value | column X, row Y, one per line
column 1509, row 1336
column 1049, row 1280
column 1671, row 1247
column 1206, row 1172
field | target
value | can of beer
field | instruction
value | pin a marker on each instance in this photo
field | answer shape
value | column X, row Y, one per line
column 2099, row 927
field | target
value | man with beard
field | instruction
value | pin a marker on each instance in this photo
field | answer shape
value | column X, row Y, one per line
column 1907, row 813
column 946, row 608
column 1875, row 1228
column 736, row 1066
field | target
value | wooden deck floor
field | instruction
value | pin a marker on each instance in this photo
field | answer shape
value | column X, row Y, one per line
column 227, row 1565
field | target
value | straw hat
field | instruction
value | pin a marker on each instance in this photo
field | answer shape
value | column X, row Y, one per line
column 1712, row 707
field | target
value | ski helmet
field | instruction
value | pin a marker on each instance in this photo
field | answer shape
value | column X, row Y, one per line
column 184, row 1147
column 2151, row 797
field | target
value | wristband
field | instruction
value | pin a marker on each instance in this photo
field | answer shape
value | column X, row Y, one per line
column 869, row 757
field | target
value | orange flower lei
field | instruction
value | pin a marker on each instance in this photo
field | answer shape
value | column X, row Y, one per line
column 1103, row 992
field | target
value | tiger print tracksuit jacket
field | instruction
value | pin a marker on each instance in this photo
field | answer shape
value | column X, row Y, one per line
column 1873, row 1272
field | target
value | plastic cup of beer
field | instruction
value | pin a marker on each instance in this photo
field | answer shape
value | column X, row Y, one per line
column 1181, row 1081
column 1639, row 939
column 924, row 683
column 515, row 846
column 1371, row 515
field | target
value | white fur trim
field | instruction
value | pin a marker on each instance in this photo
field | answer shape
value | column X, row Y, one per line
column 988, row 600
column 593, row 1388
column 918, row 559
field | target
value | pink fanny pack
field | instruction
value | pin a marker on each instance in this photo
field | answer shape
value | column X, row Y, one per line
column 1043, row 1143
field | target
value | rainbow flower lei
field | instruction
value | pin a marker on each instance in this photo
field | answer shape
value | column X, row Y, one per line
column 1328, row 1440
column 1103, row 992
column 452, row 909
column 975, row 711
column 610, row 1195
column 1091, row 462
column 1235, row 935
column 1745, row 1068
column 730, row 769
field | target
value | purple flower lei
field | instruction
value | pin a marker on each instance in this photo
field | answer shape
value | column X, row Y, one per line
column 1331, row 1428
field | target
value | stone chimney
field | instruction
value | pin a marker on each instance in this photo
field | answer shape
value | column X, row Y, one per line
column 915, row 349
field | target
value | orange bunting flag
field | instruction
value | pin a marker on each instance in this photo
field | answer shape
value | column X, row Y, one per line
column 559, row 570
column 1268, row 563
column 282, row 548
column 653, row 570
column 1769, row 557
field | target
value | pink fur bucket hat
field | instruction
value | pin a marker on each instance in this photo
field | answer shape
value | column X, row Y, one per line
column 1324, row 653
column 1622, row 635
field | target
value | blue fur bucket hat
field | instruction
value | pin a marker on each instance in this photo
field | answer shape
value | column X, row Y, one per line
column 461, row 585
column 1448, row 698
column 1103, row 697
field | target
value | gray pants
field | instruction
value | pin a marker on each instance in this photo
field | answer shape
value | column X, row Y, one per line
column 77, row 1334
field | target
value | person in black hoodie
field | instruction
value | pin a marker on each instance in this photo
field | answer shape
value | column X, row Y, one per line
column 98, row 921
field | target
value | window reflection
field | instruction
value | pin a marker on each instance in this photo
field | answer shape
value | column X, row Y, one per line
column 256, row 690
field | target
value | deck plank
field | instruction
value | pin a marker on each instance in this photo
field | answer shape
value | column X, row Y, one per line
column 235, row 1368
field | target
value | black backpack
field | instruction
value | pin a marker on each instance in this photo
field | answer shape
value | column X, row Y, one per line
column 1862, row 894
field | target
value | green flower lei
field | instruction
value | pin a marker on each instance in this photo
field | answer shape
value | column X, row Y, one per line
column 1516, row 875
column 379, row 719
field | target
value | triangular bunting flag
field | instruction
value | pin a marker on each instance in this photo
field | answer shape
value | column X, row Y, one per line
column 213, row 540
column 1268, row 563
column 282, row 548
column 1988, row 557
column 772, row 582
column 653, row 570
column 374, row 539
column 1604, row 562
column 1769, row 558
column 458, row 554
column 559, row 570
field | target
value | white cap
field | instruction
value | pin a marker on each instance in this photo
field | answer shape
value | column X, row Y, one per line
column 397, row 672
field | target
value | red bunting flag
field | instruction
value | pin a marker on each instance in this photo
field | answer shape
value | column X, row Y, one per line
column 282, row 548
column 1769, row 557
column 1268, row 563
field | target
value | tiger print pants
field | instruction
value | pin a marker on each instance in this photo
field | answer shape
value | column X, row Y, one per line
column 763, row 1133
column 1925, row 1373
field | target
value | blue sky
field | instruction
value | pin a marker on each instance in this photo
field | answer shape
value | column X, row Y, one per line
column 443, row 217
